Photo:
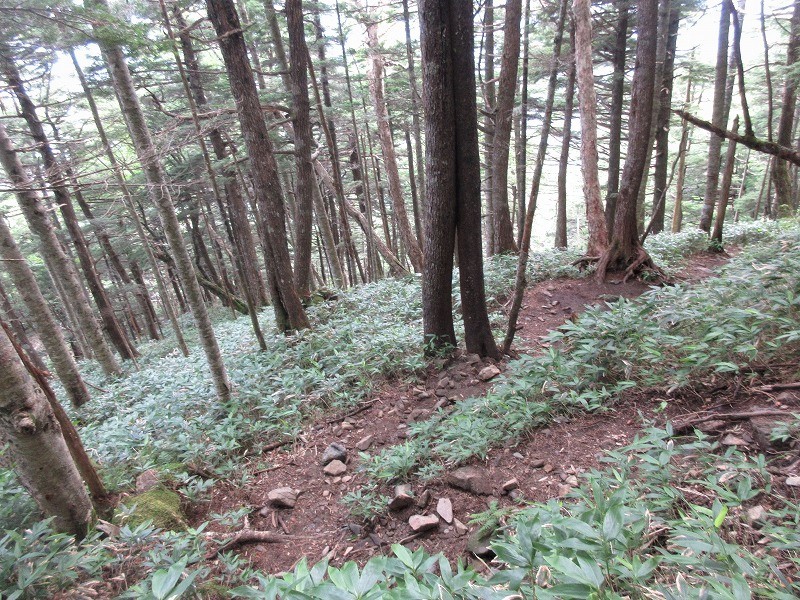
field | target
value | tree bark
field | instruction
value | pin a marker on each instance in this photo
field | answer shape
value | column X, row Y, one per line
column 563, row 162
column 42, row 460
column 290, row 314
column 683, row 149
column 15, row 322
column 490, row 97
column 501, row 143
column 522, row 130
column 725, row 188
column 587, row 101
column 624, row 250
column 615, row 116
column 415, row 111
column 158, row 191
column 387, row 149
column 717, row 120
column 453, row 177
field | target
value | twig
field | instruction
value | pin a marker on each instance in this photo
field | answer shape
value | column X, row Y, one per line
column 250, row 536
column 776, row 387
column 354, row 412
column 734, row 416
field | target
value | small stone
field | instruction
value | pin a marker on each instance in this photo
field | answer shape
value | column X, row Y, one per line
column 403, row 498
column 402, row 434
column 364, row 443
column 284, row 497
column 548, row 468
column 326, row 493
column 793, row 481
column 461, row 529
column 337, row 480
column 479, row 545
column 444, row 508
column 354, row 529
column 147, row 480
column 423, row 395
column 420, row 523
column 518, row 455
column 347, row 426
column 442, row 403
column 571, row 480
column 347, row 479
column 510, row 485
column 441, row 392
column 471, row 479
column 443, row 383
column 487, row 373
column 334, row 468
column 538, row 463
column 264, row 512
column 515, row 494
column 732, row 440
column 756, row 513
column 334, row 452
column 563, row 490
column 417, row 414
column 423, row 499
column 472, row 359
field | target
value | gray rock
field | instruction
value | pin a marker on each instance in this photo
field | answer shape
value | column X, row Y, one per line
column 402, row 498
column 756, row 513
column 444, row 508
column 334, row 468
column 510, row 485
column 364, row 443
column 479, row 545
column 732, row 440
column 487, row 373
column 460, row 528
column 420, row 523
column 147, row 480
column 333, row 452
column 538, row 463
column 793, row 481
column 284, row 497
column 444, row 382
column 471, row 479
column 418, row 414
column 423, row 499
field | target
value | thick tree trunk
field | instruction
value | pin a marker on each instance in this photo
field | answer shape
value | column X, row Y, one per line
column 717, row 120
column 36, row 215
column 10, row 314
column 264, row 170
column 501, row 144
column 410, row 241
column 301, row 122
column 625, row 251
column 41, row 457
column 453, row 177
column 587, row 101
column 43, row 320
column 563, row 162
column 615, row 117
column 780, row 170
column 158, row 191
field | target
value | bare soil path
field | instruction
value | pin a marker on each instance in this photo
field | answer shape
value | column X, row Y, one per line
column 545, row 465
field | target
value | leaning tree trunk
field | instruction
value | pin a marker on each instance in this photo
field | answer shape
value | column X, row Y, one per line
column 10, row 314
column 780, row 170
column 289, row 311
column 624, row 250
column 36, row 215
column 387, row 149
column 43, row 320
column 501, row 143
column 158, row 190
column 41, row 457
column 717, row 120
column 587, row 102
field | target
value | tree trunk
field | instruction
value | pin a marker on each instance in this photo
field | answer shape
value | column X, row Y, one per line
column 683, row 150
column 501, row 144
column 36, row 215
column 387, row 149
column 289, row 311
column 522, row 130
column 490, row 96
column 453, row 177
column 780, row 170
column 587, row 102
column 415, row 112
column 14, row 320
column 563, row 163
column 624, row 250
column 725, row 188
column 615, row 117
column 43, row 320
column 158, row 191
column 41, row 457
column 717, row 120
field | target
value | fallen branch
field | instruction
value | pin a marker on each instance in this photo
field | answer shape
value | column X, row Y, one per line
column 250, row 536
column 361, row 408
column 777, row 387
column 751, row 142
column 732, row 416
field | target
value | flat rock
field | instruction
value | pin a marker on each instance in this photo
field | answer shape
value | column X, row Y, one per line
column 147, row 480
column 364, row 443
column 333, row 452
column 418, row 414
column 756, row 513
column 564, row 490
column 444, row 382
column 471, row 479
column 793, row 481
column 444, row 508
column 732, row 440
column 283, row 497
column 423, row 499
column 334, row 468
column 460, row 528
column 420, row 523
column 402, row 498
column 510, row 485
column 487, row 373
column 538, row 463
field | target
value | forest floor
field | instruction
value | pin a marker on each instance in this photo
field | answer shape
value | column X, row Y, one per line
column 544, row 465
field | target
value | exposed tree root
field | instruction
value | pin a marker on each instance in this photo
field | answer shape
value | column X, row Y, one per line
column 250, row 536
column 731, row 416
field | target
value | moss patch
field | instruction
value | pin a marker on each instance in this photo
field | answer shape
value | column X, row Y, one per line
column 159, row 505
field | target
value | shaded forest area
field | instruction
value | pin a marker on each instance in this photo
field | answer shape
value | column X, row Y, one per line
column 276, row 275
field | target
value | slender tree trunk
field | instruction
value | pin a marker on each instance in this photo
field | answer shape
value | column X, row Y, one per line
column 717, row 120
column 780, row 170
column 615, row 117
column 14, row 320
column 158, row 190
column 725, row 188
column 587, row 101
column 387, row 148
column 415, row 112
column 683, row 150
column 41, row 458
column 563, row 163
column 501, row 144
column 264, row 168
column 522, row 130
column 36, row 215
column 625, row 249
column 490, row 97
column 43, row 320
